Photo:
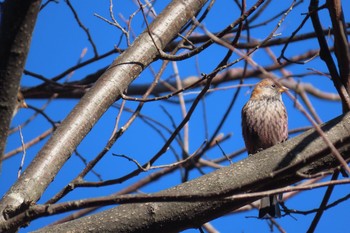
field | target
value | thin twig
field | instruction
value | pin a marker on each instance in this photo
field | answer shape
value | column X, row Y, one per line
column 324, row 202
column 86, row 30
column 24, row 153
column 186, row 141
column 28, row 144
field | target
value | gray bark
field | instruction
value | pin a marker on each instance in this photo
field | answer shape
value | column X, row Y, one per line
column 42, row 170
column 17, row 23
column 272, row 168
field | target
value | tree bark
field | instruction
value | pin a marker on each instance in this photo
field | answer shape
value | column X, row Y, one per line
column 42, row 170
column 17, row 23
column 306, row 153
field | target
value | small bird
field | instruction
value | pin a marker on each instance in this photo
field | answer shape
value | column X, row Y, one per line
column 265, row 124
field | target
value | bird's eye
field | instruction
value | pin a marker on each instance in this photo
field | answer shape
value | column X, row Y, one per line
column 273, row 85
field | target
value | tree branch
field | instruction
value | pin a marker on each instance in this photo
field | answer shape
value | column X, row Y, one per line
column 341, row 45
column 306, row 154
column 17, row 23
column 39, row 174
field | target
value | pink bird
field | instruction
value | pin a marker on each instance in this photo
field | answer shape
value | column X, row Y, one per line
column 265, row 124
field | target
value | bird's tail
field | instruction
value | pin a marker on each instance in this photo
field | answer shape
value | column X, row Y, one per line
column 269, row 207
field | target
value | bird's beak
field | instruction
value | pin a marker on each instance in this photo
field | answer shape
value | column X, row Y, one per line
column 282, row 89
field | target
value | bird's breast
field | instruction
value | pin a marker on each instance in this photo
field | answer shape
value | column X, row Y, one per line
column 264, row 124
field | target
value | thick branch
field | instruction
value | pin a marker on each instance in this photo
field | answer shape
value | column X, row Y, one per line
column 326, row 56
column 342, row 49
column 97, row 100
column 306, row 154
column 17, row 23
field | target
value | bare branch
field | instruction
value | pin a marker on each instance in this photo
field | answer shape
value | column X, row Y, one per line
column 91, row 107
column 297, row 154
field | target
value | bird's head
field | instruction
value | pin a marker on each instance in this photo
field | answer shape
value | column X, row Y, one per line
column 267, row 88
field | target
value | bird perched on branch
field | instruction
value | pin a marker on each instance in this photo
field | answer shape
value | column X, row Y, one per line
column 265, row 124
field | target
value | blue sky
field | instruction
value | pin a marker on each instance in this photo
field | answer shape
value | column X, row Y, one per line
column 57, row 44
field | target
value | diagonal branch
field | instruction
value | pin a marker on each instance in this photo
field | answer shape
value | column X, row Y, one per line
column 341, row 46
column 96, row 101
column 326, row 56
column 304, row 154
